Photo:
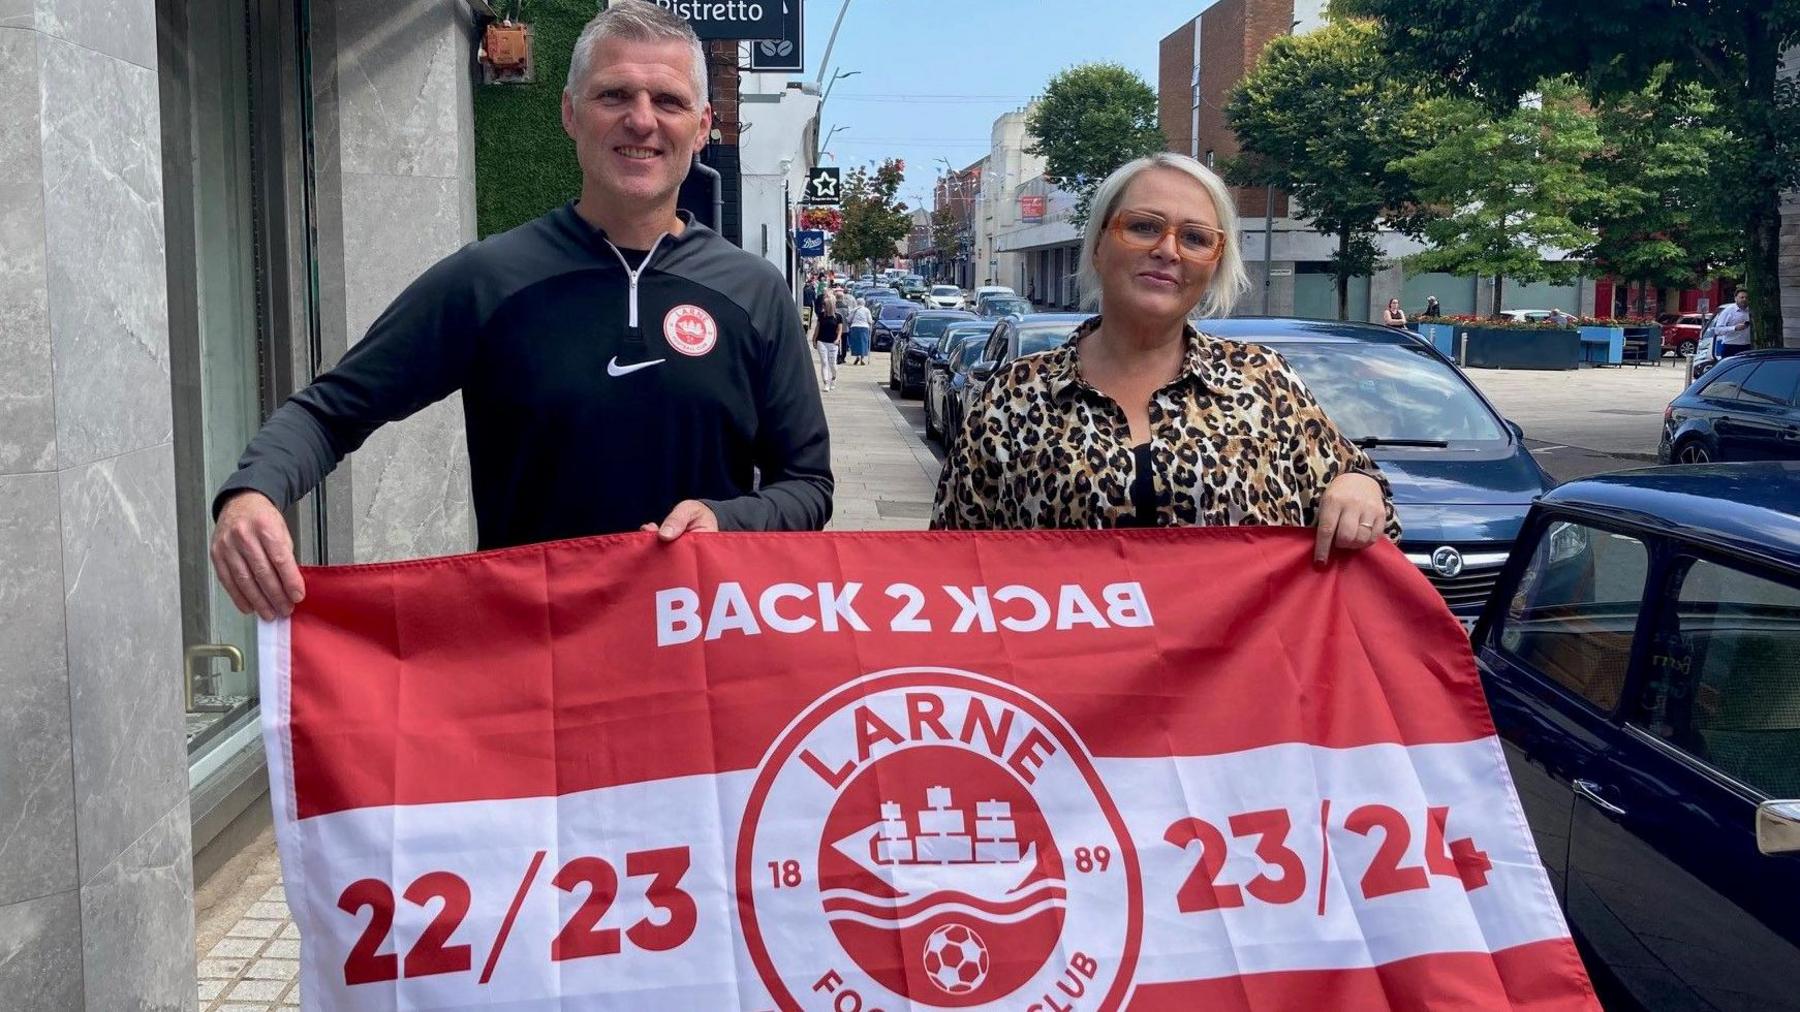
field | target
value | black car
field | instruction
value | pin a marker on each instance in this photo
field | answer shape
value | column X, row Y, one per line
column 1641, row 658
column 890, row 317
column 1745, row 408
column 944, row 387
column 1462, row 477
column 913, row 348
column 940, row 371
column 1015, row 336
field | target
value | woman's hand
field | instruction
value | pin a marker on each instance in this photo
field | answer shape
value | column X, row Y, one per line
column 1352, row 515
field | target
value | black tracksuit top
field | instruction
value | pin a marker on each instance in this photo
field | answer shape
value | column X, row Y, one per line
column 596, row 397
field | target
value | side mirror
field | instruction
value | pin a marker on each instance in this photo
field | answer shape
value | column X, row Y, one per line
column 1778, row 827
column 1518, row 430
column 980, row 372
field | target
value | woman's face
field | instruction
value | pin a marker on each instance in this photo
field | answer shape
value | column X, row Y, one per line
column 1393, row 303
column 1157, row 283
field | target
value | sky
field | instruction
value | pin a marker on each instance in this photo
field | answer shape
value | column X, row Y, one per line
column 932, row 75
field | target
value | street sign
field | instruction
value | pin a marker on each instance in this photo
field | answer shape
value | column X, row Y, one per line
column 729, row 19
column 823, row 185
column 1281, row 272
column 1031, row 209
column 809, row 242
column 784, row 52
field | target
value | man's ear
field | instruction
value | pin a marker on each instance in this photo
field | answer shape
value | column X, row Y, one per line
column 706, row 122
column 568, row 115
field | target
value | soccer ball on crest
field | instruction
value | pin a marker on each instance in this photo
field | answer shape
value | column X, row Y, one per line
column 956, row 959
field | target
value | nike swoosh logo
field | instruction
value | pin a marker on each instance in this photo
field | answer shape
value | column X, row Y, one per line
column 613, row 368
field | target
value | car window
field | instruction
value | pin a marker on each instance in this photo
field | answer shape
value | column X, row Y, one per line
column 1392, row 391
column 927, row 329
column 968, row 352
column 1725, row 381
column 1772, row 383
column 996, row 346
column 1044, row 336
column 1572, row 617
column 1725, row 685
column 896, row 310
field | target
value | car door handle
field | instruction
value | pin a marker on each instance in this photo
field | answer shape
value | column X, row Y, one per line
column 1591, row 791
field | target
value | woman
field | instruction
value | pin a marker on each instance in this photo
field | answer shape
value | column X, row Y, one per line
column 861, row 323
column 1140, row 420
column 1394, row 315
column 827, row 329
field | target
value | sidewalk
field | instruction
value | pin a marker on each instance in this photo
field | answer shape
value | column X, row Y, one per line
column 248, row 947
column 1617, row 412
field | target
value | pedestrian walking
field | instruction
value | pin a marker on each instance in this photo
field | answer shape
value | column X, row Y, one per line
column 1432, row 310
column 827, row 332
column 862, row 322
column 1732, row 325
column 1394, row 316
column 623, row 367
column 1125, row 426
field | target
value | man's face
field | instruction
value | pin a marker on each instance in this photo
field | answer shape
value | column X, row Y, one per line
column 1743, row 300
column 636, row 120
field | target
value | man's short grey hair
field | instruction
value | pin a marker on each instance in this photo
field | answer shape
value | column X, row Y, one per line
column 637, row 21
column 1228, row 281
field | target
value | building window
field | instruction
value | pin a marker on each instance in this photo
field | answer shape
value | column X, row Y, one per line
column 1209, row 158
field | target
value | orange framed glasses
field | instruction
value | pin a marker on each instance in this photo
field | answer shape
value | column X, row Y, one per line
column 1143, row 231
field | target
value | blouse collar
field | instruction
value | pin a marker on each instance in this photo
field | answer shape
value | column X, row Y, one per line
column 1204, row 361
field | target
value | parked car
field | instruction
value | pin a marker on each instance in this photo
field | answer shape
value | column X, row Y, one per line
column 1015, row 336
column 948, row 372
column 1681, row 332
column 890, row 315
column 1748, row 408
column 1639, row 655
column 947, row 297
column 1001, row 304
column 1707, row 355
column 1462, row 477
column 913, row 347
column 991, row 290
column 1525, row 315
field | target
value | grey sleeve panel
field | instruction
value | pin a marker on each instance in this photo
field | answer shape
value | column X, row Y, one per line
column 793, row 446
column 416, row 353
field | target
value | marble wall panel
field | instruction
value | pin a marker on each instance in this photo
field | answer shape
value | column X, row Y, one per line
column 27, row 412
column 410, row 480
column 40, row 953
column 400, row 66
column 121, row 610
column 103, row 226
column 18, row 13
column 137, row 922
column 122, row 29
column 37, row 797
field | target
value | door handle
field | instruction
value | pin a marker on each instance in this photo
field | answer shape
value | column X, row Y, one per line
column 1591, row 791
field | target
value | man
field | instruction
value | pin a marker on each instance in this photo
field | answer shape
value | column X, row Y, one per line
column 1432, row 310
column 1732, row 326
column 622, row 366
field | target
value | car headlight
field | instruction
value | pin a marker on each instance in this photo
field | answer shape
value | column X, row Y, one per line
column 1567, row 541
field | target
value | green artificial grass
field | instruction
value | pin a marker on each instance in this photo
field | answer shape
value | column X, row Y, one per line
column 524, row 162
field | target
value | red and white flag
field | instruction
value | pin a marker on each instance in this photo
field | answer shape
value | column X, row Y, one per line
column 1047, row 771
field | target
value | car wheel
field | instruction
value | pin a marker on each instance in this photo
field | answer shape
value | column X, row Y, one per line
column 1685, row 349
column 893, row 372
column 1692, row 452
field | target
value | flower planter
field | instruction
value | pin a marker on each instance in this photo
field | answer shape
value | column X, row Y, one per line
column 1442, row 336
column 1603, row 345
column 1516, row 348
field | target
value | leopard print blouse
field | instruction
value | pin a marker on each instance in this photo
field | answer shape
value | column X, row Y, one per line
column 1236, row 438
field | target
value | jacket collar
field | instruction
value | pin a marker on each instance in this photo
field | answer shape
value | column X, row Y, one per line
column 1204, row 361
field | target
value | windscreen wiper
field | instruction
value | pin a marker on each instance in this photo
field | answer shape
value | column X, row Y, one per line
column 1369, row 442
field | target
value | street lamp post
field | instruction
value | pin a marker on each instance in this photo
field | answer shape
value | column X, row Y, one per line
column 1269, row 229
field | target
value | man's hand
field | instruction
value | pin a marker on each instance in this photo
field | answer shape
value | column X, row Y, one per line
column 1352, row 515
column 254, row 557
column 688, row 515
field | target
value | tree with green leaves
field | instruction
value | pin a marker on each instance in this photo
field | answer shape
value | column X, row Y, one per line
column 944, row 233
column 1321, row 116
column 1497, row 50
column 873, row 220
column 1502, row 190
column 1092, row 119
column 1657, row 219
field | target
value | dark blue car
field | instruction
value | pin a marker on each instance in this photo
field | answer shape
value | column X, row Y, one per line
column 1745, row 408
column 1641, row 655
column 1462, row 477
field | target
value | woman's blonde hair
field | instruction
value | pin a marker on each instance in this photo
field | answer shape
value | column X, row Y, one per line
column 1228, row 280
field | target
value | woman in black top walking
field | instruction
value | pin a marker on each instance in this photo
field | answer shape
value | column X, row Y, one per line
column 827, row 330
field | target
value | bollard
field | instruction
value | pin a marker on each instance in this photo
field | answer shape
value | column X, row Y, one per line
column 1462, row 351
